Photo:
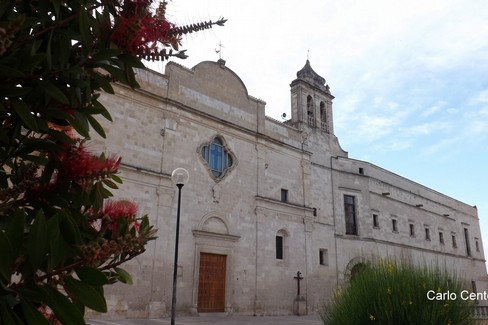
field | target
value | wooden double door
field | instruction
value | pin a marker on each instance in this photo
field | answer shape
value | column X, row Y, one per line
column 211, row 283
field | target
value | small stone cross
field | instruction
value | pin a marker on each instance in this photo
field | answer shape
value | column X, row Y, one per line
column 298, row 278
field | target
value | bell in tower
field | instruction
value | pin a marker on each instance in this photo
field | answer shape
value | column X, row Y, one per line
column 311, row 101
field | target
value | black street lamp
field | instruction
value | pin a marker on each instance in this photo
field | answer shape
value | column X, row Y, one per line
column 179, row 176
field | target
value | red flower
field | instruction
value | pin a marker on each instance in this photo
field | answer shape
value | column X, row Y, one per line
column 139, row 32
column 79, row 165
column 119, row 209
column 115, row 210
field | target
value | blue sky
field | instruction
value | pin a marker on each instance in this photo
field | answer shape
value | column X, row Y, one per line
column 410, row 77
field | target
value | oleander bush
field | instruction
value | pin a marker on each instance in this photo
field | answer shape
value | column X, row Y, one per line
column 395, row 293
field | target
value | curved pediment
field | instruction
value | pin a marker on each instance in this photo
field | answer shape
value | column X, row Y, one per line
column 214, row 89
column 222, row 78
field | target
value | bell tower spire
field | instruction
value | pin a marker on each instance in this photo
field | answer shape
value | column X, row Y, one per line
column 311, row 101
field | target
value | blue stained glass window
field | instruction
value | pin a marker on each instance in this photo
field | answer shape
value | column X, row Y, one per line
column 217, row 157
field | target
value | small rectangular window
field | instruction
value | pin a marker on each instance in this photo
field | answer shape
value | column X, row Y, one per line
column 441, row 238
column 279, row 247
column 394, row 225
column 454, row 244
column 466, row 240
column 323, row 257
column 412, row 230
column 284, row 195
column 427, row 234
column 477, row 245
column 375, row 221
column 350, row 214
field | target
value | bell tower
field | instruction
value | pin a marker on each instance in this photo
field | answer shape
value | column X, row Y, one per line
column 311, row 101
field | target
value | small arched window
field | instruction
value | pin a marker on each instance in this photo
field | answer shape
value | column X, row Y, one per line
column 323, row 117
column 310, row 114
column 218, row 158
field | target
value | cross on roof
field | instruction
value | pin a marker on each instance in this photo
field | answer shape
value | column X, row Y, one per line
column 219, row 51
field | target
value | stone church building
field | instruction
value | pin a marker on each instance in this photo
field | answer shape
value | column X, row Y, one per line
column 265, row 199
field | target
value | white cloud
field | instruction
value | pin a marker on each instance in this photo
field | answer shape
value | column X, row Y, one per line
column 433, row 109
column 425, row 129
column 481, row 97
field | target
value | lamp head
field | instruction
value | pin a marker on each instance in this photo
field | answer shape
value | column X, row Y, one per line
column 180, row 176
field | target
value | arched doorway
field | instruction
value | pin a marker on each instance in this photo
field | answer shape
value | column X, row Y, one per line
column 356, row 270
column 354, row 267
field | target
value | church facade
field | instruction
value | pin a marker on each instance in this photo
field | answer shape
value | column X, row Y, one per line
column 265, row 199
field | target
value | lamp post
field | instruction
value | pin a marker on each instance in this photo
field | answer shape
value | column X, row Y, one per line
column 179, row 176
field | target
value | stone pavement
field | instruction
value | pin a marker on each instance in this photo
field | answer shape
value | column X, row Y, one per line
column 218, row 320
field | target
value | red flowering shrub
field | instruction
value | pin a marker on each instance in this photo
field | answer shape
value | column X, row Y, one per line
column 76, row 163
column 61, row 240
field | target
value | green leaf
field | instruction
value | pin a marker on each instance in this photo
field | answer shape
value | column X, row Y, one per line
column 131, row 77
column 54, row 92
column 60, row 136
column 32, row 315
column 34, row 60
column 131, row 61
column 104, row 55
column 102, row 82
column 110, row 184
column 16, row 231
column 96, row 126
column 37, row 246
column 63, row 308
column 69, row 230
column 84, row 24
column 14, row 91
column 25, row 114
column 7, row 257
column 58, row 248
column 49, row 57
column 91, row 276
column 48, row 171
column 115, row 72
column 64, row 48
column 79, row 125
column 86, row 294
column 144, row 225
column 123, row 276
column 116, row 178
column 6, row 71
column 96, row 196
column 101, row 110
column 8, row 316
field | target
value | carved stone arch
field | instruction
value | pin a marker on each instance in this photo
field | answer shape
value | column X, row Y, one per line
column 283, row 232
column 354, row 266
column 212, row 222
